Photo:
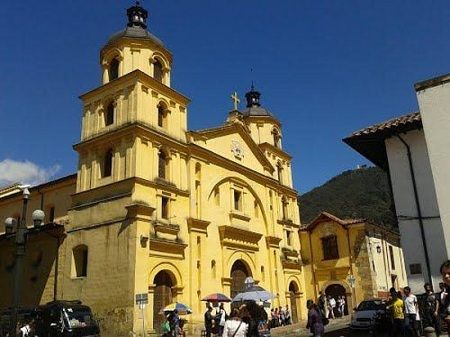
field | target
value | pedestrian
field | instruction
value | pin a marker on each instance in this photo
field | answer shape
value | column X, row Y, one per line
column 321, row 303
column 222, row 318
column 396, row 308
column 445, row 273
column 235, row 327
column 442, row 297
column 411, row 312
column 209, row 320
column 287, row 314
column 277, row 317
column 331, row 306
column 165, row 326
column 248, row 313
column 314, row 324
column 341, row 305
column 282, row 315
column 431, row 309
column 174, row 323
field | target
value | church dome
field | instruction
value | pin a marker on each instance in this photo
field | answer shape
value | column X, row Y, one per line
column 136, row 27
column 135, row 33
column 254, row 107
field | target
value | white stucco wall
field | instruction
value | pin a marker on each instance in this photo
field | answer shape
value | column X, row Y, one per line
column 406, row 207
column 434, row 106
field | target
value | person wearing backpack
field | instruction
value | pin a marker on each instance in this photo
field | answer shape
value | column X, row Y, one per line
column 235, row 327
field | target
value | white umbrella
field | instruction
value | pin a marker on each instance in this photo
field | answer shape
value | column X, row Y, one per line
column 254, row 293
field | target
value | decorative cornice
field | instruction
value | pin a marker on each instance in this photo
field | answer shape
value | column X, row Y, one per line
column 167, row 247
column 137, row 76
column 232, row 236
column 273, row 241
column 197, row 225
column 287, row 264
column 276, row 150
column 137, row 210
column 288, row 223
column 240, row 216
column 162, row 227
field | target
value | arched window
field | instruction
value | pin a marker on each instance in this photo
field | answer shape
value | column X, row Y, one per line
column 276, row 138
column 162, row 165
column 107, row 163
column 158, row 71
column 114, row 69
column 162, row 116
column 109, row 114
column 280, row 172
column 284, row 208
column 79, row 261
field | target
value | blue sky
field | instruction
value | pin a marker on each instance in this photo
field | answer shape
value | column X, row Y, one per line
column 324, row 68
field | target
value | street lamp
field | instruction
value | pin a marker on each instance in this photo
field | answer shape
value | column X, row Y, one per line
column 20, row 243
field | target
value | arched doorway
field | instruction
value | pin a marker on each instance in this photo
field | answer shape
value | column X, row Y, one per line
column 239, row 272
column 336, row 291
column 293, row 291
column 162, row 296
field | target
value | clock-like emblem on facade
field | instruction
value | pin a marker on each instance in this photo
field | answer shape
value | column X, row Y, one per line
column 237, row 149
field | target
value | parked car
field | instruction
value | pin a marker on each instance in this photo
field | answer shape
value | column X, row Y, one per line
column 66, row 319
column 367, row 314
column 55, row 319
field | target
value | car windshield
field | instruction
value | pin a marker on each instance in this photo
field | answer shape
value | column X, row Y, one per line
column 79, row 317
column 371, row 305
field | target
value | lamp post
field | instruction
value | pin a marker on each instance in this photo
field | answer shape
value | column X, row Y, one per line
column 20, row 244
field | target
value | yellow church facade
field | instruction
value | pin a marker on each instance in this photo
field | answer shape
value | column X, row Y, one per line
column 157, row 209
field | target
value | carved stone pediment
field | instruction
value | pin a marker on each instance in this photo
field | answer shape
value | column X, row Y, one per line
column 236, row 237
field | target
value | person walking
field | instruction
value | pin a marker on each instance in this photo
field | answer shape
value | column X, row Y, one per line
column 331, row 306
column 222, row 318
column 287, row 316
column 209, row 320
column 445, row 273
column 341, row 305
column 235, row 327
column 315, row 324
column 431, row 309
column 322, row 304
column 282, row 315
column 411, row 312
column 396, row 309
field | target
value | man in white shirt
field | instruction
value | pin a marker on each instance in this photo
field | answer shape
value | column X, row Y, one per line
column 411, row 312
column 332, row 305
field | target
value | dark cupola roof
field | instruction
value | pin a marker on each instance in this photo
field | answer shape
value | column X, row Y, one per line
column 254, row 107
column 136, row 26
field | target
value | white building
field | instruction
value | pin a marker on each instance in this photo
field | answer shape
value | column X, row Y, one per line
column 415, row 152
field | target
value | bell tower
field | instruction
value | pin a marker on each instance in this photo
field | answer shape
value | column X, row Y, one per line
column 128, row 119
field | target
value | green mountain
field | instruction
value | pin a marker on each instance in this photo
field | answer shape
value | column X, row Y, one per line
column 361, row 193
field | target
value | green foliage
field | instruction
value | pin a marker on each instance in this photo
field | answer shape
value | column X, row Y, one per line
column 362, row 193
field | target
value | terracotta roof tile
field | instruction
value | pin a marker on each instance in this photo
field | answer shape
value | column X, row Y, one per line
column 390, row 125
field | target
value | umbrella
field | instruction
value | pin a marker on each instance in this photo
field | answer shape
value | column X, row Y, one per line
column 182, row 309
column 216, row 297
column 254, row 293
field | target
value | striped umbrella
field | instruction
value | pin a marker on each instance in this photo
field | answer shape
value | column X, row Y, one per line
column 216, row 297
column 182, row 309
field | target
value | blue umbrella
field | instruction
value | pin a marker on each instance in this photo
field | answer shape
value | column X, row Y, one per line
column 182, row 309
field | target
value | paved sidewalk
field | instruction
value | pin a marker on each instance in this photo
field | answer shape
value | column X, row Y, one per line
column 299, row 329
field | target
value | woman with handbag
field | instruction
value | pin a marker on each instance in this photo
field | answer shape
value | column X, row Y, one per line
column 235, row 327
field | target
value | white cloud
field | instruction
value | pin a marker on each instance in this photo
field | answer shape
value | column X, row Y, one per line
column 25, row 172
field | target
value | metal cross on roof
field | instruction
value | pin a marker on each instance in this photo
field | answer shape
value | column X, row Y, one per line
column 236, row 100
